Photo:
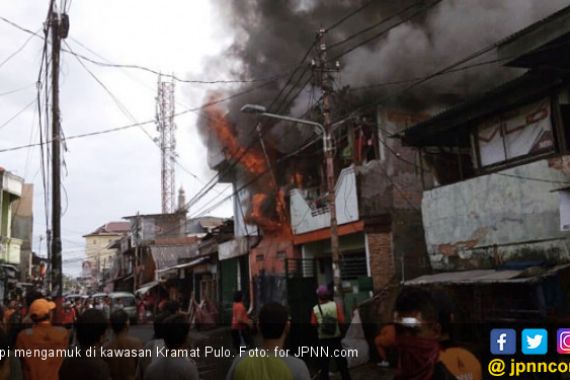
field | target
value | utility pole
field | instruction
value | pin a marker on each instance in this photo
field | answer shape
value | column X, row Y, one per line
column 327, row 88
column 59, row 24
column 56, row 280
column 136, row 258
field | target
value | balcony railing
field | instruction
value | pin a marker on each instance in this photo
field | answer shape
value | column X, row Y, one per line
column 310, row 212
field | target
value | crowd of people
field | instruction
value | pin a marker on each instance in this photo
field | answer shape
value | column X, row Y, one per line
column 28, row 326
column 419, row 336
column 418, row 339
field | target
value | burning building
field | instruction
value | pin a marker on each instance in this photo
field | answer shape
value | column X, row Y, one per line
column 282, row 220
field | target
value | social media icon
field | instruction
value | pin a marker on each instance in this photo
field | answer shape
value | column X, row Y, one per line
column 534, row 341
column 563, row 341
column 503, row 341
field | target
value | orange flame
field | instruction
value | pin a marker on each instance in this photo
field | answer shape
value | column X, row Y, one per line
column 252, row 160
column 257, row 216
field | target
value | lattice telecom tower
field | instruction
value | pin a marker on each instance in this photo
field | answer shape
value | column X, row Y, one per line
column 165, row 125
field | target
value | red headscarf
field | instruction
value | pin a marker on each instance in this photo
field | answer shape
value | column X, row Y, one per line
column 417, row 357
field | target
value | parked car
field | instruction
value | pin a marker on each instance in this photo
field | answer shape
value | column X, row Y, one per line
column 98, row 297
column 73, row 297
column 125, row 301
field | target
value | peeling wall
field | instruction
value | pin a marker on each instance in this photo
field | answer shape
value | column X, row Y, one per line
column 393, row 181
column 487, row 220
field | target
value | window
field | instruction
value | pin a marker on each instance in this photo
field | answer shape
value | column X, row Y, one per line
column 353, row 265
column 521, row 132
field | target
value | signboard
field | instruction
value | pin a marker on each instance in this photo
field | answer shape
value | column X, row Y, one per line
column 522, row 131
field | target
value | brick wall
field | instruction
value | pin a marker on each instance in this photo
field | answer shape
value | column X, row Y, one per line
column 382, row 266
column 408, row 244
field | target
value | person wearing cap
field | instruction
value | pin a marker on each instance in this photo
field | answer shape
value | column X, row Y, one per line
column 42, row 335
column 327, row 316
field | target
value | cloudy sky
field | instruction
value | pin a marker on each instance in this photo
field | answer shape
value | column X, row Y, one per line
column 117, row 174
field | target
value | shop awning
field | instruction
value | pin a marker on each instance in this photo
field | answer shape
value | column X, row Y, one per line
column 146, row 287
column 487, row 276
column 233, row 248
column 190, row 264
column 166, row 257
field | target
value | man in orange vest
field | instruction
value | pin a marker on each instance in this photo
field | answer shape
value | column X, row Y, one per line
column 43, row 336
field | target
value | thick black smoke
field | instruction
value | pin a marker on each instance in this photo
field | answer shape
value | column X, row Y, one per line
column 271, row 36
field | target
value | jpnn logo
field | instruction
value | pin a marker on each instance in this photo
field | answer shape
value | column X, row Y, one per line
column 534, row 341
column 503, row 341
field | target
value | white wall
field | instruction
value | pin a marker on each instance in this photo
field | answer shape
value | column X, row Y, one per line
column 516, row 209
column 305, row 219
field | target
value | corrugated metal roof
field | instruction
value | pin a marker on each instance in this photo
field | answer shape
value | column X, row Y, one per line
column 546, row 20
column 482, row 276
column 190, row 264
column 511, row 94
column 169, row 256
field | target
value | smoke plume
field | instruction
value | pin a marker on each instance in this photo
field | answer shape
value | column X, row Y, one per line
column 271, row 36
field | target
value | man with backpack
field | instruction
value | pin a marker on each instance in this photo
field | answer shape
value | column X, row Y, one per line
column 327, row 316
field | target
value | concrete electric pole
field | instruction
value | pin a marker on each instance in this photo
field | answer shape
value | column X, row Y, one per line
column 327, row 88
column 59, row 24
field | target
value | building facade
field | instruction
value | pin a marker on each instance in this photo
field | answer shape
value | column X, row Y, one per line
column 11, row 192
column 100, row 251
column 501, row 161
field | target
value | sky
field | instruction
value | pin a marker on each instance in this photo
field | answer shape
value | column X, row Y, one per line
column 113, row 175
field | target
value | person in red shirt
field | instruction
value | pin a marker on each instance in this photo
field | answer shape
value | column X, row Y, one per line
column 11, row 309
column 68, row 316
column 241, row 323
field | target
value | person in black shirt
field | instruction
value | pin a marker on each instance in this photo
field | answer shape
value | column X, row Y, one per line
column 91, row 327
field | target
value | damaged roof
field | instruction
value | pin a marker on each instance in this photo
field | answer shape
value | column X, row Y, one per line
column 487, row 276
column 516, row 92
column 541, row 47
column 537, row 41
